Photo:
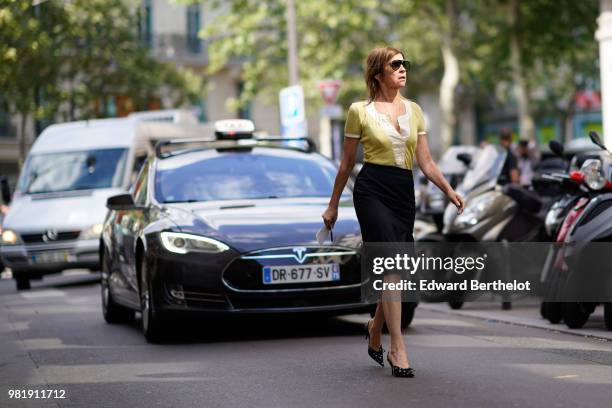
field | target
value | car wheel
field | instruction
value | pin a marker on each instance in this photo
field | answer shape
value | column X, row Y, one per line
column 408, row 309
column 112, row 312
column 455, row 304
column 153, row 324
column 608, row 315
column 22, row 283
column 575, row 315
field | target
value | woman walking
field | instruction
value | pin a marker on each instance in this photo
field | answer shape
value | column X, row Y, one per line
column 394, row 137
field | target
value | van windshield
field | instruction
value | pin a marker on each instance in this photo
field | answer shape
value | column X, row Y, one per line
column 68, row 171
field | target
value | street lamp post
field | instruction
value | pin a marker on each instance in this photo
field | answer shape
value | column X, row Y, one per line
column 604, row 36
column 292, row 44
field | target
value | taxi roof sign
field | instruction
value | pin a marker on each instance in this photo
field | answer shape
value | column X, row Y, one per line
column 234, row 129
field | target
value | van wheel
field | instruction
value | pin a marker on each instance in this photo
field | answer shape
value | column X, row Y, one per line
column 608, row 315
column 23, row 283
column 575, row 315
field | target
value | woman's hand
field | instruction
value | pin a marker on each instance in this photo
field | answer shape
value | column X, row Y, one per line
column 457, row 200
column 330, row 216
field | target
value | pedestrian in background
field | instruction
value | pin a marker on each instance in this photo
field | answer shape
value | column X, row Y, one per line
column 528, row 157
column 510, row 172
column 393, row 133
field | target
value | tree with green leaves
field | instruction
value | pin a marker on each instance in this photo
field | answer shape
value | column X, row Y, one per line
column 30, row 36
column 461, row 49
column 59, row 58
column 334, row 41
column 536, row 54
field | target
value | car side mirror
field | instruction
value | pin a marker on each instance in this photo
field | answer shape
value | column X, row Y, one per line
column 120, row 201
column 556, row 147
column 465, row 158
column 6, row 190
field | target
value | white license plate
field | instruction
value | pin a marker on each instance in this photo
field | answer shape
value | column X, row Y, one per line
column 51, row 257
column 301, row 273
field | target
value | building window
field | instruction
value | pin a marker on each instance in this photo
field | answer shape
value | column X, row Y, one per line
column 194, row 44
column 145, row 23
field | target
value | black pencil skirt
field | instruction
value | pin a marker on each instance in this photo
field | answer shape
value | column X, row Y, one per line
column 384, row 202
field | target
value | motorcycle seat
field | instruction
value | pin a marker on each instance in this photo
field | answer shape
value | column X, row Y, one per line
column 526, row 199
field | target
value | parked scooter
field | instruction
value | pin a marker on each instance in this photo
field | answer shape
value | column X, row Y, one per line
column 589, row 222
column 559, row 219
column 493, row 213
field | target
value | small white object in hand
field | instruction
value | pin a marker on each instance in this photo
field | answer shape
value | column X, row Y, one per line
column 323, row 235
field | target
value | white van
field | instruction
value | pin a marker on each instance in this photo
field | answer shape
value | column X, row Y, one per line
column 59, row 204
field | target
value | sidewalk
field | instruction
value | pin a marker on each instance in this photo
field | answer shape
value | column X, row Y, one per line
column 524, row 312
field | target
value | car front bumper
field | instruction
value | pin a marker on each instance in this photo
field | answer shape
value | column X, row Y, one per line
column 41, row 259
column 192, row 284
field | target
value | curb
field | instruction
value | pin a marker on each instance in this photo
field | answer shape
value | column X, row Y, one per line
column 496, row 319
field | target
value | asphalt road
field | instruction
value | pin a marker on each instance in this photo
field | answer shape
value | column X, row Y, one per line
column 54, row 337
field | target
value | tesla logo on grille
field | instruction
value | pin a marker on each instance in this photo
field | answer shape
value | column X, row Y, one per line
column 299, row 253
column 50, row 235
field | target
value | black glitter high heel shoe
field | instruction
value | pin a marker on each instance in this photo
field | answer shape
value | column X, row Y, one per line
column 376, row 355
column 397, row 371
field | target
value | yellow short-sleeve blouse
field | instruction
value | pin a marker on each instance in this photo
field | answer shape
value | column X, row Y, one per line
column 382, row 143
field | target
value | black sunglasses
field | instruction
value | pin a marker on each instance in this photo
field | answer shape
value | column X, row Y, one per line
column 398, row 63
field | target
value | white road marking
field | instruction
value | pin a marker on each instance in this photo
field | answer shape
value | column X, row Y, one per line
column 35, row 294
column 123, row 373
column 584, row 373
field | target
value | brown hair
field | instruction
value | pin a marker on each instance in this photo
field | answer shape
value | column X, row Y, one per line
column 505, row 134
column 375, row 65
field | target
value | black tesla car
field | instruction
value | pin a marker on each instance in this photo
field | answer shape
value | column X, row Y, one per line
column 229, row 227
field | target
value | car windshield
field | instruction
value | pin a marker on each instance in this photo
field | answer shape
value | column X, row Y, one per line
column 244, row 176
column 68, row 171
column 487, row 167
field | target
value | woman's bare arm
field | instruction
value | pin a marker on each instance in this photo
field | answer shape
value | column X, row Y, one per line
column 349, row 156
column 433, row 173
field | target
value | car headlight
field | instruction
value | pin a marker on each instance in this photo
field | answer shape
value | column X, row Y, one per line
column 593, row 175
column 92, row 232
column 475, row 211
column 181, row 243
column 9, row 237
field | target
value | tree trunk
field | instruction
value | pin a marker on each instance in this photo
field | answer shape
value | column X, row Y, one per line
column 526, row 123
column 450, row 79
